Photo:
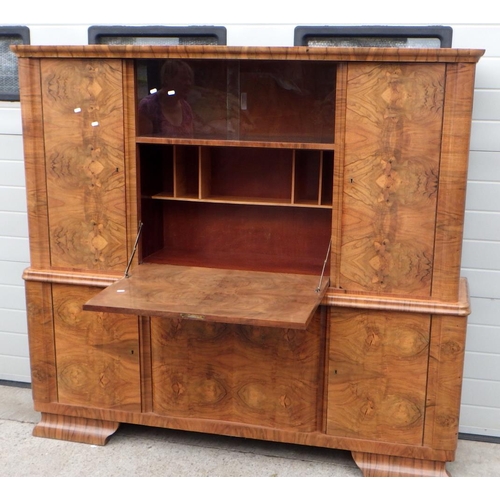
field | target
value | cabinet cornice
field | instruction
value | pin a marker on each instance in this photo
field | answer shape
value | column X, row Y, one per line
column 340, row 54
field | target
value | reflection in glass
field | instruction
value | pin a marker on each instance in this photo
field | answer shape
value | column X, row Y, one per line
column 166, row 112
column 272, row 101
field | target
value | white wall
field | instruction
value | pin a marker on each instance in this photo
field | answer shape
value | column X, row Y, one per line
column 14, row 251
column 258, row 23
column 480, row 412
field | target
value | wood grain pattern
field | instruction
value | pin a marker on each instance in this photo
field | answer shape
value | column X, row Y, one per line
column 447, row 351
column 223, row 295
column 461, row 307
column 97, row 354
column 83, row 132
column 338, row 174
column 260, row 432
column 377, row 375
column 41, row 341
column 374, row 465
column 235, row 143
column 76, row 429
column 392, row 146
column 236, row 373
column 366, row 54
column 453, row 180
column 146, row 367
column 34, row 161
column 70, row 277
column 132, row 182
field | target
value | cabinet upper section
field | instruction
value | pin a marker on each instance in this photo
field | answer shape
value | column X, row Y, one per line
column 285, row 152
column 225, row 93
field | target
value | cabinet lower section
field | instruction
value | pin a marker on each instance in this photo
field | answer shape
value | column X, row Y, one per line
column 382, row 383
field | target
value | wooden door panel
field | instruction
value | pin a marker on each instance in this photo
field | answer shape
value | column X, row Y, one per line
column 97, row 354
column 239, row 373
column 83, row 129
column 377, row 375
column 394, row 119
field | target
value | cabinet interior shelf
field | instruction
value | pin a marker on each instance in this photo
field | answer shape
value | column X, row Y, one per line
column 255, row 176
column 242, row 201
column 329, row 146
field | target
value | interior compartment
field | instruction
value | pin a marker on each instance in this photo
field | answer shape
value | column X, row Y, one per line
column 247, row 237
column 250, row 174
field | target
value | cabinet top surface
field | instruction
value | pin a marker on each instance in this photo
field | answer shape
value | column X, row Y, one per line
column 389, row 54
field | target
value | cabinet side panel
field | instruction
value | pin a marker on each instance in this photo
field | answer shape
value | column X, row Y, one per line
column 377, row 375
column 41, row 341
column 84, row 141
column 338, row 175
column 131, row 179
column 34, row 161
column 253, row 375
column 453, row 180
column 392, row 146
column 445, row 381
column 97, row 354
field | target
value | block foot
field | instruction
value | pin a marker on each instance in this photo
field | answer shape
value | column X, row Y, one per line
column 77, row 429
column 373, row 465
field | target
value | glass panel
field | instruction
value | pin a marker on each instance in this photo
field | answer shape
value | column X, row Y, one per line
column 158, row 40
column 184, row 99
column 265, row 101
column 290, row 101
column 9, row 80
column 374, row 41
column 374, row 36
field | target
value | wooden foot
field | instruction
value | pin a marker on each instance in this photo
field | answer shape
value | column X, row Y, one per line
column 373, row 465
column 77, row 429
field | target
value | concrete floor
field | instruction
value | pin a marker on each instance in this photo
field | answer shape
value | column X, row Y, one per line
column 136, row 451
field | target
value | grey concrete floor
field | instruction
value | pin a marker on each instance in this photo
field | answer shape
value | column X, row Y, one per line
column 136, row 451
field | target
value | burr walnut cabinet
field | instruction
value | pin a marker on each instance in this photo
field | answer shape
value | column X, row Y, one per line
column 253, row 242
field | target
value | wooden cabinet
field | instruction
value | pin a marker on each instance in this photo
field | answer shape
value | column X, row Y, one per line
column 295, row 274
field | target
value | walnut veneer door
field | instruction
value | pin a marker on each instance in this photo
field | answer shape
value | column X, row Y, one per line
column 377, row 375
column 238, row 373
column 84, row 150
column 393, row 131
column 97, row 354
